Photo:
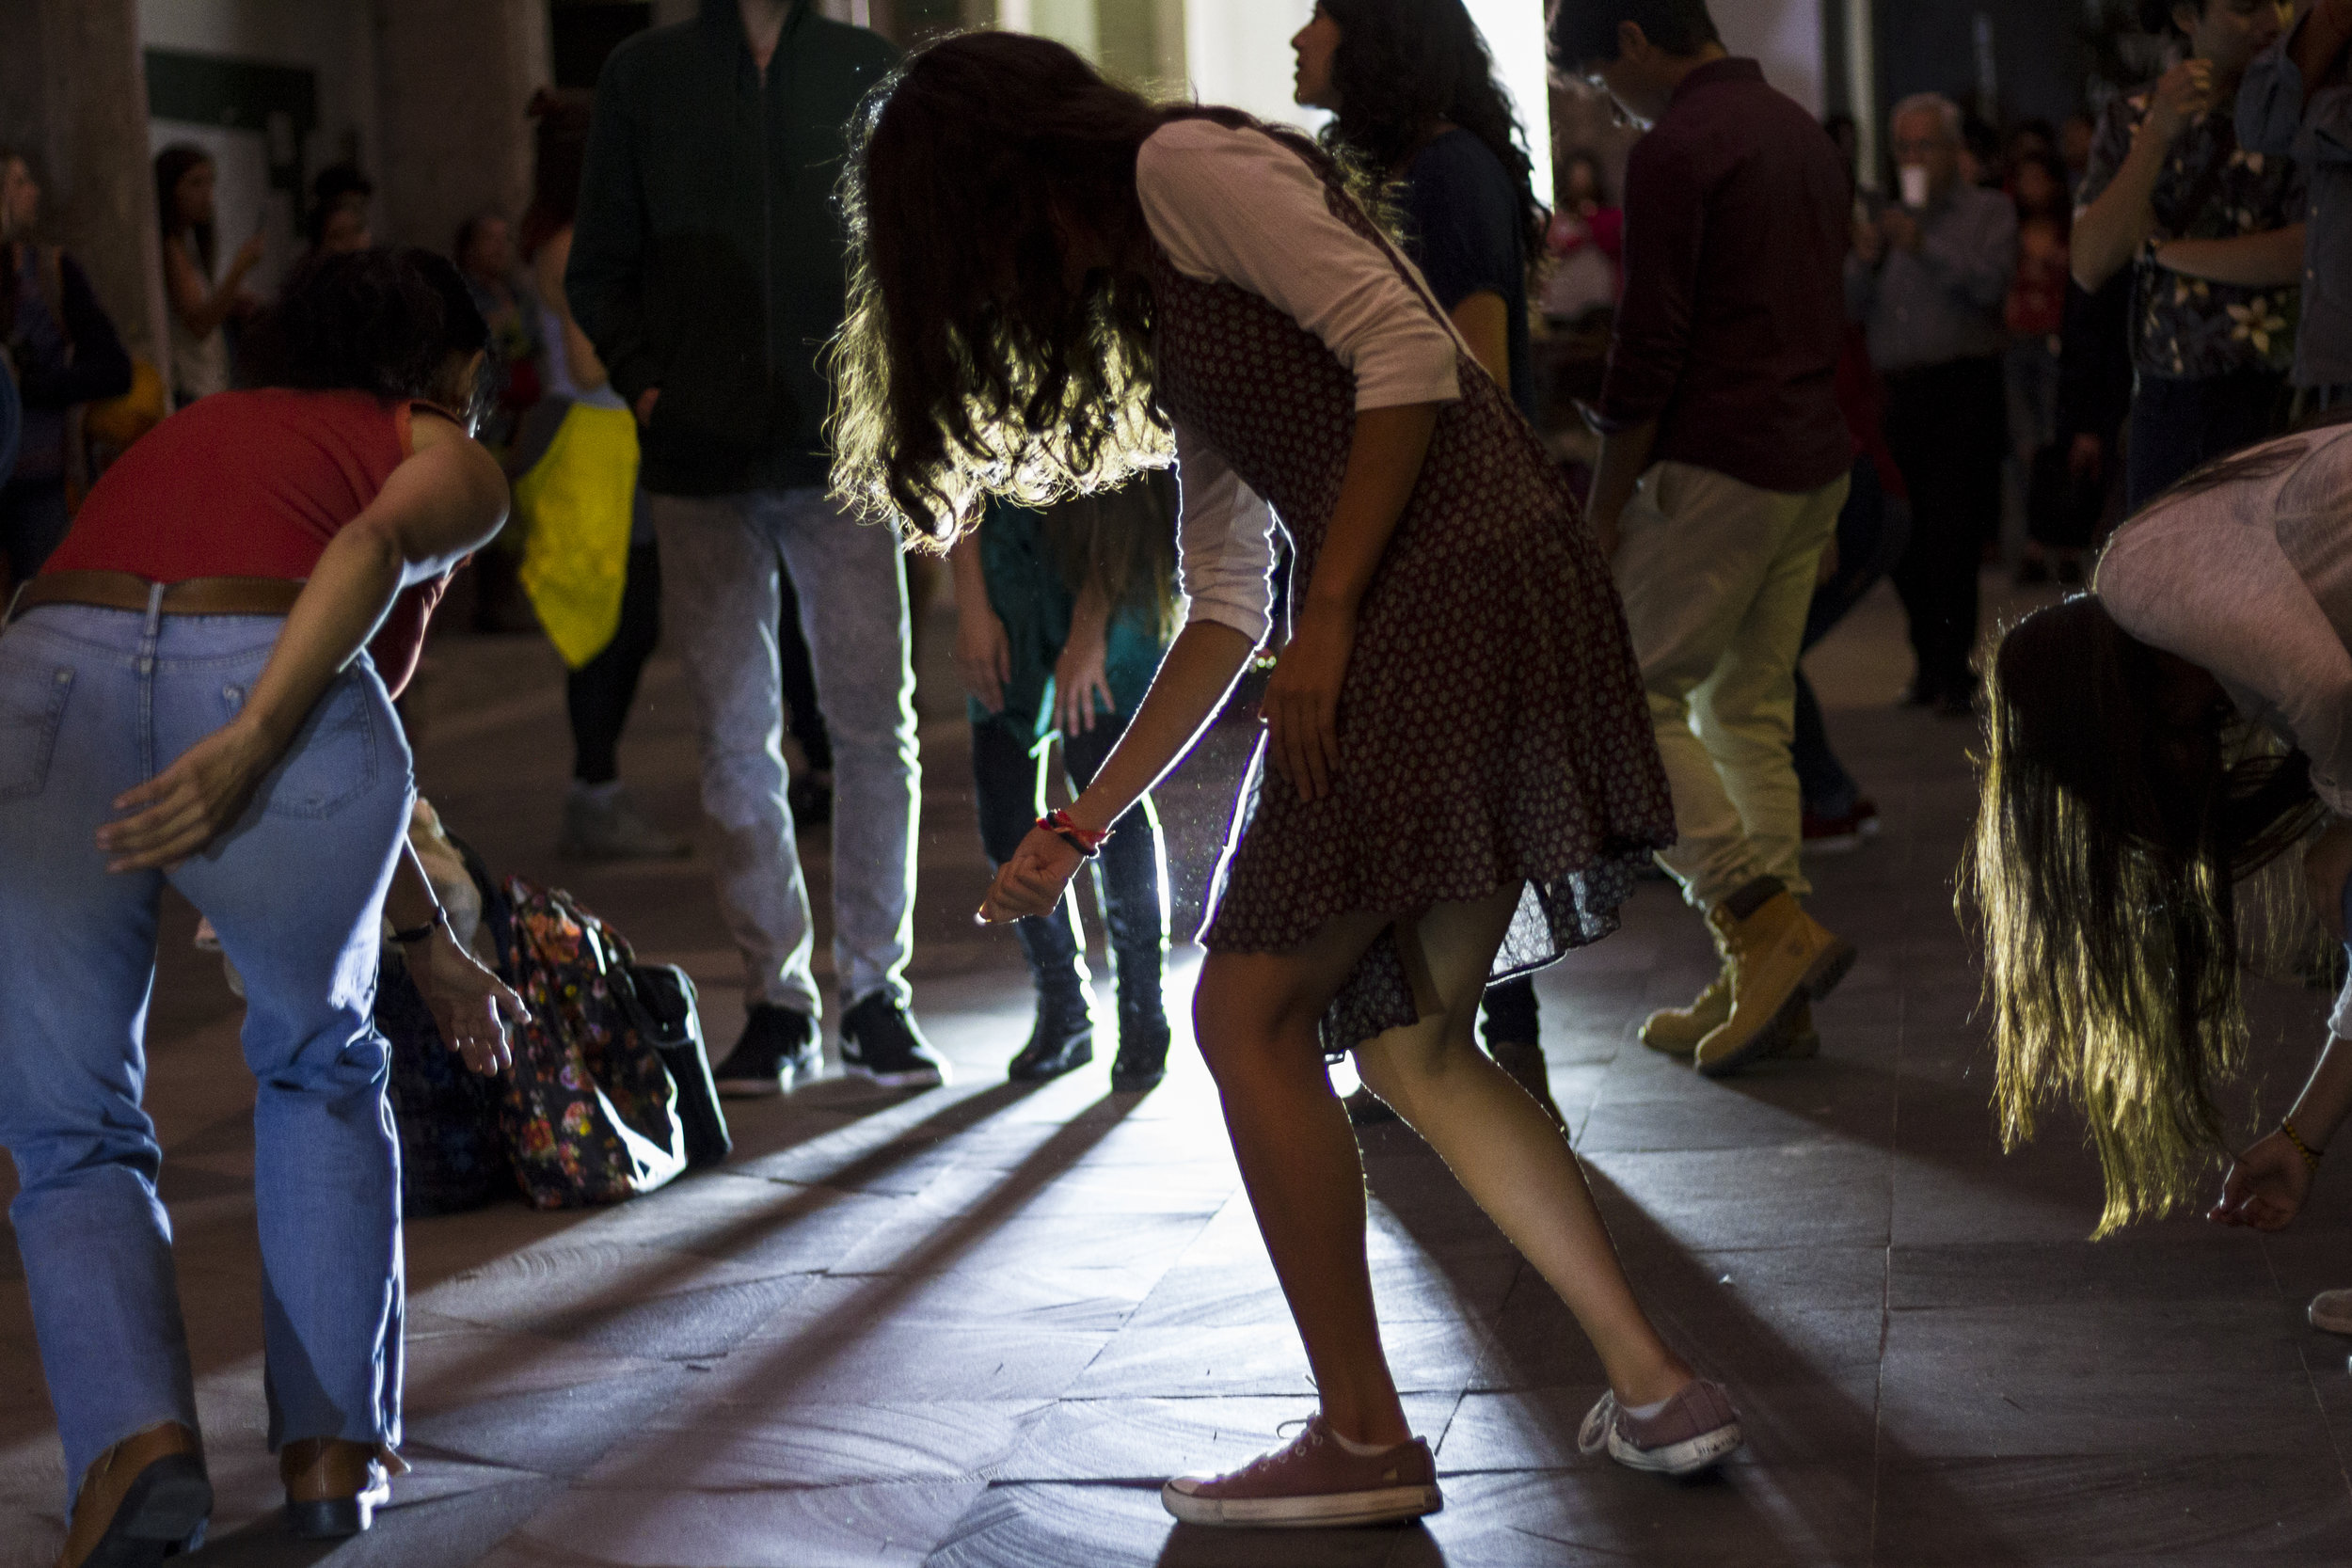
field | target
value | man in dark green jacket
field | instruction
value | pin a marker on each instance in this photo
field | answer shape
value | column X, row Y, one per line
column 707, row 267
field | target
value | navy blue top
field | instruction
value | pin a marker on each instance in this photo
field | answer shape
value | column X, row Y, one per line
column 1461, row 212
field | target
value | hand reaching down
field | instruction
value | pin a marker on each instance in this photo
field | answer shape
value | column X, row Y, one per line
column 2265, row 1187
column 471, row 1006
column 1032, row 881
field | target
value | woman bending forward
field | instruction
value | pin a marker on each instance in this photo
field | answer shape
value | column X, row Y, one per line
column 185, row 699
column 2128, row 791
column 1462, row 776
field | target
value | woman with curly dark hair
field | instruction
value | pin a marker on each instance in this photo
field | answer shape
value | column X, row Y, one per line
column 1055, row 284
column 2129, row 789
column 1413, row 95
column 186, row 698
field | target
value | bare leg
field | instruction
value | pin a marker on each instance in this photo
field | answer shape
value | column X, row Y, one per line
column 1255, row 1016
column 1503, row 1148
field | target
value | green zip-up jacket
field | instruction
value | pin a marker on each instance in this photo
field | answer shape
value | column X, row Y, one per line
column 707, row 255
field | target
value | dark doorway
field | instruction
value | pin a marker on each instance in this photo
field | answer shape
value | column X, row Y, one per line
column 583, row 32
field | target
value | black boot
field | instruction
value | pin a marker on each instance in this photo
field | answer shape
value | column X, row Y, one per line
column 1062, row 1041
column 1142, row 1059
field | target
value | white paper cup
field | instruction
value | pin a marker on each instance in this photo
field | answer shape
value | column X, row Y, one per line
column 1915, row 179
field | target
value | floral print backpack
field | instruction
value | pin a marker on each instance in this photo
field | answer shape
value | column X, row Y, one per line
column 590, row 1114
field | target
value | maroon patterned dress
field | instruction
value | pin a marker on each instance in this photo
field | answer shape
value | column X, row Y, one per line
column 1492, row 727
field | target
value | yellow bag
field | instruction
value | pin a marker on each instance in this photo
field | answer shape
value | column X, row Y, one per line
column 119, row 421
column 575, row 505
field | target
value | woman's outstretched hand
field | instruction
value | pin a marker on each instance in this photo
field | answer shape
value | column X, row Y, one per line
column 2265, row 1187
column 183, row 808
column 466, row 1001
column 1302, row 701
column 1032, row 881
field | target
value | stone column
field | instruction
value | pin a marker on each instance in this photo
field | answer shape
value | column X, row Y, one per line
column 74, row 99
column 452, row 77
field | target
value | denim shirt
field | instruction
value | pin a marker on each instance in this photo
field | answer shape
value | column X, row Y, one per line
column 2275, row 118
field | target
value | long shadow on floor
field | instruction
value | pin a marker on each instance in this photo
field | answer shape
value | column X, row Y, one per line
column 1824, row 1508
column 809, row 1349
column 1198, row 1545
column 640, row 1292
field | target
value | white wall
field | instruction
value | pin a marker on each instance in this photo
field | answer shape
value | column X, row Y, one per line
column 1069, row 21
column 1238, row 52
column 1513, row 31
column 1785, row 36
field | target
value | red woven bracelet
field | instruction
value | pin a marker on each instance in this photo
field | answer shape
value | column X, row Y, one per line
column 1086, row 843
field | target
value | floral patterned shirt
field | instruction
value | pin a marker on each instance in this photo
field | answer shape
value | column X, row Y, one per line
column 2186, row 328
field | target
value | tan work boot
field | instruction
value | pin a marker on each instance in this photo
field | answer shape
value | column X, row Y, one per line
column 1676, row 1031
column 334, row 1486
column 1801, row 1040
column 1780, row 958
column 141, row 1500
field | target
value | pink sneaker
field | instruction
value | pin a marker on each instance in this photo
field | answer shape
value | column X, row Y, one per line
column 1698, row 1429
column 1313, row 1481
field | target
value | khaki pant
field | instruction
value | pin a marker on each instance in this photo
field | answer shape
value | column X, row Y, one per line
column 1716, row 576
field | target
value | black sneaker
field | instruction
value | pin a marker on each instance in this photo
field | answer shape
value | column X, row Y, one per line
column 1063, row 1041
column 880, row 1043
column 779, row 1047
column 1142, row 1059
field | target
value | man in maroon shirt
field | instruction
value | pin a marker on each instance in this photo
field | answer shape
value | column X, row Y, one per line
column 1724, row 464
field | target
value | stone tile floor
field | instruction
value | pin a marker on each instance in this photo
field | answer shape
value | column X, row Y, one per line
column 976, row 1326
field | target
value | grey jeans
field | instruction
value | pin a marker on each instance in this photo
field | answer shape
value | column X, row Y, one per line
column 719, row 560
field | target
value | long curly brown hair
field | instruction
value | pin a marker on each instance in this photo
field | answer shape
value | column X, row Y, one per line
column 1405, row 66
column 973, row 362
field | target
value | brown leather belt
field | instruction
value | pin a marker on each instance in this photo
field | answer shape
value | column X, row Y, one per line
column 195, row 596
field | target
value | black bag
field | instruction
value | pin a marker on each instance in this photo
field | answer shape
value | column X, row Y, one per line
column 661, row 1001
column 451, row 1155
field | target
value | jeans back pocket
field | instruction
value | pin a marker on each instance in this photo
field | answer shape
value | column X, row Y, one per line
column 333, row 759
column 32, row 705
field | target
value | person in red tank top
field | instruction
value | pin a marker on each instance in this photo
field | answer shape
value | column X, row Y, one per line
column 186, row 697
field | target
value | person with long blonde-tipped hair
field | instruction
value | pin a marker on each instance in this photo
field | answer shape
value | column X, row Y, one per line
column 2152, row 744
column 1458, row 781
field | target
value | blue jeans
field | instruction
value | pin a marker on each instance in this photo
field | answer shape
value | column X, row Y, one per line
column 1127, row 874
column 93, row 701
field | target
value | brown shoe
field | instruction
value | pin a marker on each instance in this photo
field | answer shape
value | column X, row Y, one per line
column 1780, row 958
column 334, row 1486
column 141, row 1500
